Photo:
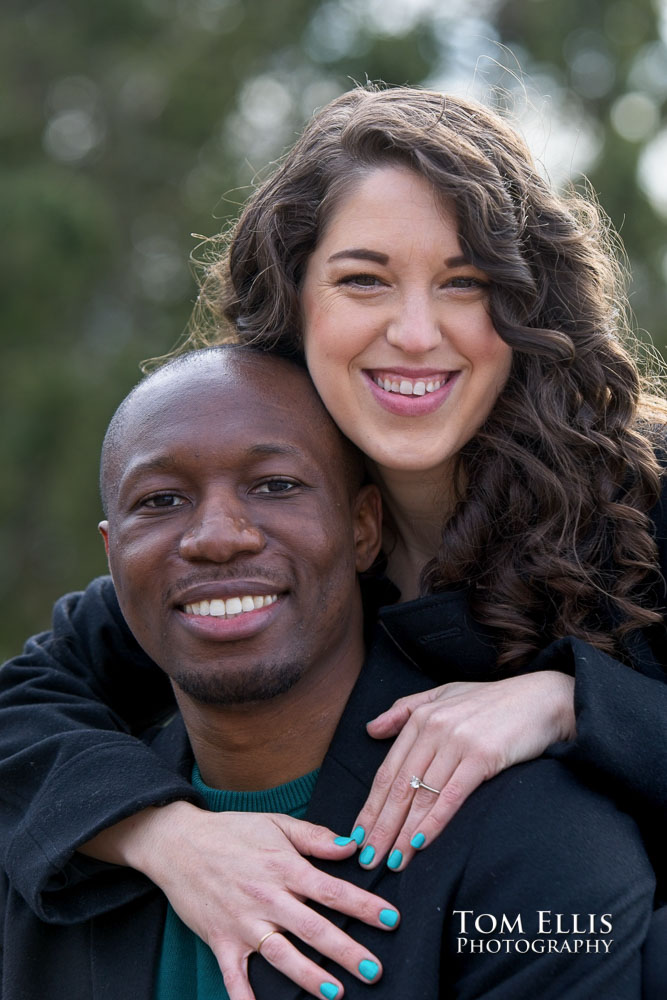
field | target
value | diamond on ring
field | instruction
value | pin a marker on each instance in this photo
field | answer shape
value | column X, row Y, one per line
column 418, row 783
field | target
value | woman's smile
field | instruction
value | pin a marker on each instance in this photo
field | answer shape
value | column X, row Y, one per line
column 398, row 337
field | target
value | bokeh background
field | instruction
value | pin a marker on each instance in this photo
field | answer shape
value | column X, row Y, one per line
column 128, row 125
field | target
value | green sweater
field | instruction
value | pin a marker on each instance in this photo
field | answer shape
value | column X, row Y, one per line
column 188, row 969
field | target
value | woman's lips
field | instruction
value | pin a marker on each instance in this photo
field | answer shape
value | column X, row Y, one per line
column 410, row 394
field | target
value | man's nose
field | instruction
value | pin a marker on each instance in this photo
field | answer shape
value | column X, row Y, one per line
column 219, row 531
column 415, row 329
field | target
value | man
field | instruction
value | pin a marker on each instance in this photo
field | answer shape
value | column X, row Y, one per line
column 234, row 534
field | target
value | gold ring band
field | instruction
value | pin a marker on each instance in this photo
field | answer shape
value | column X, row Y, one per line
column 258, row 949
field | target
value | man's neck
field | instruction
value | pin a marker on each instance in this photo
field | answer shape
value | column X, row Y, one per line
column 262, row 744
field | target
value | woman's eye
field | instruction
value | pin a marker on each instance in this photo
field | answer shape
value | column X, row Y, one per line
column 466, row 281
column 361, row 280
column 276, row 486
column 160, row 501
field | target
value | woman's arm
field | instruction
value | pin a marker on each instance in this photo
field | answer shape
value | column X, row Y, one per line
column 69, row 765
column 79, row 792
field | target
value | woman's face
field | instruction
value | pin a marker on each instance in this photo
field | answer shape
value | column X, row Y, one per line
column 398, row 337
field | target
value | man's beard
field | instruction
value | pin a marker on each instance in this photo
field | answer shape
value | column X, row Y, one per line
column 261, row 682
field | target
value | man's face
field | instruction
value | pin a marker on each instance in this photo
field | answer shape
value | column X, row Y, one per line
column 233, row 536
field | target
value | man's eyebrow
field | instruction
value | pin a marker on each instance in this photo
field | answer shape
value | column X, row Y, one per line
column 161, row 463
column 164, row 463
column 266, row 450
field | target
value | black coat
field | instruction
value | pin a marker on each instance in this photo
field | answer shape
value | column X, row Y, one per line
column 533, row 839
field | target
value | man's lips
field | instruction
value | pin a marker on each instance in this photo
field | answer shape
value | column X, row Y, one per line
column 217, row 615
column 227, row 599
column 219, row 607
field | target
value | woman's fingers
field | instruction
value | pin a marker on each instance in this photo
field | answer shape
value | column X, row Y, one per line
column 234, row 969
column 430, row 813
column 391, row 795
column 453, row 738
column 314, row 841
column 391, row 722
column 318, row 932
column 291, row 914
column 337, row 894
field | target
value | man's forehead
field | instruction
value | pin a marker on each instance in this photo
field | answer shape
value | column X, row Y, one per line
column 272, row 403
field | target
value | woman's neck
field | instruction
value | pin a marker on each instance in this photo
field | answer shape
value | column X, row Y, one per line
column 416, row 507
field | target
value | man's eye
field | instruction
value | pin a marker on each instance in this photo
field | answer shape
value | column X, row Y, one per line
column 162, row 500
column 276, row 486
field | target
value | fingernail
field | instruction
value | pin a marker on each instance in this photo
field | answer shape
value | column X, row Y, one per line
column 343, row 841
column 395, row 859
column 329, row 990
column 418, row 841
column 368, row 969
column 367, row 855
column 358, row 834
column 389, row 918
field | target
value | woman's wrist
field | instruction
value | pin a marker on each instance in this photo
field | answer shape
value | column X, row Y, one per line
column 561, row 699
column 140, row 841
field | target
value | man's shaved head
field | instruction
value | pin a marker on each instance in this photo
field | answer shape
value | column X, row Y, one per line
column 223, row 358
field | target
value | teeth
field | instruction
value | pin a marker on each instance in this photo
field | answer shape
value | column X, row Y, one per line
column 219, row 608
column 407, row 388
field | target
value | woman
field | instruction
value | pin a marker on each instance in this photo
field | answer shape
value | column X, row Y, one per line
column 461, row 323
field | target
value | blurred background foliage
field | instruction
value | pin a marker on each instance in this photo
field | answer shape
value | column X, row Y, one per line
column 128, row 126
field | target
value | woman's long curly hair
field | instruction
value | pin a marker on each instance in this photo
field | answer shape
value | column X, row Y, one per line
column 550, row 530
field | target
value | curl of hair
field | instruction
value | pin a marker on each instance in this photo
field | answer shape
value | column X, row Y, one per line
column 550, row 528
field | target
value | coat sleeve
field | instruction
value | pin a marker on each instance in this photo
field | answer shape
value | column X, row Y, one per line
column 70, row 762
column 621, row 714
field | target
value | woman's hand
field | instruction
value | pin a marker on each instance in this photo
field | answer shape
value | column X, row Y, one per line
column 234, row 877
column 453, row 738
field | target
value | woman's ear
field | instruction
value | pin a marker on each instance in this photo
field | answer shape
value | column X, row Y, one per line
column 367, row 522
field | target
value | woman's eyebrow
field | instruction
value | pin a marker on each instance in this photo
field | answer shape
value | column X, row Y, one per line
column 359, row 253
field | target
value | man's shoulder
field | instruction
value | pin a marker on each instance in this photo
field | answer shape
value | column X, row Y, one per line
column 547, row 799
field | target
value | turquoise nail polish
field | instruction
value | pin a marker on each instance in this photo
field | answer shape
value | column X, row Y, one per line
column 369, row 969
column 418, row 841
column 389, row 918
column 395, row 859
column 358, row 834
column 329, row 990
column 367, row 855
column 343, row 841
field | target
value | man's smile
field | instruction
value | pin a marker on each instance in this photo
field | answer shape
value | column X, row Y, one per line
column 219, row 608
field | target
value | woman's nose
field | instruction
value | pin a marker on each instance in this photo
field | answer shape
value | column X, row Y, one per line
column 218, row 534
column 415, row 328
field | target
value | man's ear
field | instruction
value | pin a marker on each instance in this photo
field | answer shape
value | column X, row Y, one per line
column 103, row 528
column 367, row 521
